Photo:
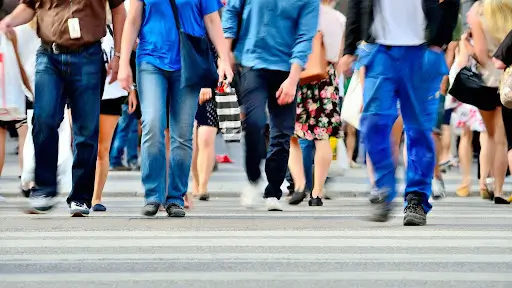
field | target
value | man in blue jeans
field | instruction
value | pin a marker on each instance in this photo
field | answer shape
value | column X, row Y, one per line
column 274, row 41
column 68, row 70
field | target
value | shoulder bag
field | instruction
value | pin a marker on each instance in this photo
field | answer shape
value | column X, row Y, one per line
column 469, row 87
column 197, row 61
column 316, row 67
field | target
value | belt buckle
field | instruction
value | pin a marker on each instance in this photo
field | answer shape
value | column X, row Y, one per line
column 55, row 49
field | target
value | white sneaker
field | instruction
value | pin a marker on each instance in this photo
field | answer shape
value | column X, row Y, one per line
column 249, row 195
column 77, row 209
column 273, row 204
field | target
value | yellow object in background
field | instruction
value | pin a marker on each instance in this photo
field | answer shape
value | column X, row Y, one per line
column 334, row 143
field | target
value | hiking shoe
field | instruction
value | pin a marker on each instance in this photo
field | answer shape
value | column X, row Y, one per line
column 414, row 214
column 175, row 210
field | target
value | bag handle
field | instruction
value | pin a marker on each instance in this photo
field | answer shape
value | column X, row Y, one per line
column 176, row 15
column 110, row 30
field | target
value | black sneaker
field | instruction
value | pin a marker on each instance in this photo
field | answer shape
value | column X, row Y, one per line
column 376, row 196
column 316, row 201
column 150, row 209
column 298, row 197
column 414, row 214
column 175, row 210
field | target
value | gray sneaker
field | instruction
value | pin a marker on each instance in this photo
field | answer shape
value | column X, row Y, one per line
column 41, row 204
column 438, row 188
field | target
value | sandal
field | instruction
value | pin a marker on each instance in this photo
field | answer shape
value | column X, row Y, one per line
column 463, row 191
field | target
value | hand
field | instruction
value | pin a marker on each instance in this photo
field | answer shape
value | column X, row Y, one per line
column 287, row 91
column 125, row 77
column 345, row 64
column 225, row 71
column 204, row 95
column 132, row 101
column 113, row 69
column 436, row 49
column 6, row 26
column 498, row 64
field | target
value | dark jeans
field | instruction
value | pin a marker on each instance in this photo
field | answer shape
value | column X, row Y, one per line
column 77, row 79
column 259, row 88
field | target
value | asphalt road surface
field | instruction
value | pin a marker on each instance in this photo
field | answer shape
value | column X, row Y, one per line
column 467, row 243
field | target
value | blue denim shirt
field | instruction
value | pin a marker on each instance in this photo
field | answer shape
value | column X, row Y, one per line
column 274, row 33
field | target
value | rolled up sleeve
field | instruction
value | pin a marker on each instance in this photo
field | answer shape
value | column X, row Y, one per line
column 29, row 3
column 307, row 28
column 231, row 17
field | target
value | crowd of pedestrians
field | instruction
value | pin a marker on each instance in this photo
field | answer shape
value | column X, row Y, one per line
column 166, row 64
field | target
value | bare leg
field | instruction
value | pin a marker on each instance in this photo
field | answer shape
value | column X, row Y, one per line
column 465, row 157
column 446, row 143
column 22, row 135
column 3, row 136
column 296, row 166
column 205, row 157
column 351, row 144
column 108, row 125
column 323, row 159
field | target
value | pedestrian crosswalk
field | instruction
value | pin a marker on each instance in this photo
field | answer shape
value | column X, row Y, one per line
column 466, row 244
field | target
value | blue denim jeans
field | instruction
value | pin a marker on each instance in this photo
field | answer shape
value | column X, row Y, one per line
column 127, row 135
column 77, row 79
column 411, row 75
column 308, row 154
column 259, row 87
column 160, row 95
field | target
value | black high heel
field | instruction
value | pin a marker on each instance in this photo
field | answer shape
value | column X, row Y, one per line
column 315, row 201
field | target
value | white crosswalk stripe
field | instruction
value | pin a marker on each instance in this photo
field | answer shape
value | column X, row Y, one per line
column 466, row 244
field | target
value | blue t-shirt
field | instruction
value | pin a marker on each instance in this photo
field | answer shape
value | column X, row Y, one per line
column 158, row 37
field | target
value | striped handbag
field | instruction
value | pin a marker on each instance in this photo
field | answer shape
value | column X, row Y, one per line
column 228, row 110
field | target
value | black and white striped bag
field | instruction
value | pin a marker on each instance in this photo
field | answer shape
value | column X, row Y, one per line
column 228, row 111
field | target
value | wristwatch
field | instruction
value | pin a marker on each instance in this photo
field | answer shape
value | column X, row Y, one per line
column 117, row 54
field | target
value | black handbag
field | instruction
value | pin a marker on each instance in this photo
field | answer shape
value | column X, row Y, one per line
column 469, row 87
column 197, row 61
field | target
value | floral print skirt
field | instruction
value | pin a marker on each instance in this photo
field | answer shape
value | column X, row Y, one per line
column 318, row 112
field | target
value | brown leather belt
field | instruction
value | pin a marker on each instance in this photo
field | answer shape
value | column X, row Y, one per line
column 55, row 48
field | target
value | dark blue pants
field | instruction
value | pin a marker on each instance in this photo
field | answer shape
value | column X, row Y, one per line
column 259, row 87
column 127, row 135
column 413, row 76
column 78, row 80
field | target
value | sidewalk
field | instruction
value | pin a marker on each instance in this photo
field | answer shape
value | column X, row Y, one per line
column 228, row 181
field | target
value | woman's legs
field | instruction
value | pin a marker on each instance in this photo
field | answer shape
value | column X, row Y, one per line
column 485, row 163
column 323, row 158
column 108, row 124
column 205, row 157
column 497, row 146
column 193, row 168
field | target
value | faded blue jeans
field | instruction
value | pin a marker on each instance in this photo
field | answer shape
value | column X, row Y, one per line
column 127, row 135
column 411, row 75
column 76, row 78
column 161, row 96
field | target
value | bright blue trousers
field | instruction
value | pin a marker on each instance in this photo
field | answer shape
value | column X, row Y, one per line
column 412, row 75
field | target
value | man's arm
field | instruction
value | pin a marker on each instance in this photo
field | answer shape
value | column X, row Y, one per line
column 118, row 18
column 214, row 28
column 230, row 20
column 307, row 28
column 23, row 14
column 441, row 21
column 353, row 30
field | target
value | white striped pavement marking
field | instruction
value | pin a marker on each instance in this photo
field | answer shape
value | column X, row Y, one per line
column 259, row 276
column 257, row 257
column 272, row 234
column 256, row 242
column 297, row 214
